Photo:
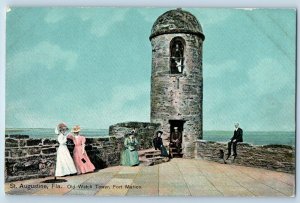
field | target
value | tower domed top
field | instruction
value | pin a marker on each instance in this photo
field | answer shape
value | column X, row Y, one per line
column 176, row 21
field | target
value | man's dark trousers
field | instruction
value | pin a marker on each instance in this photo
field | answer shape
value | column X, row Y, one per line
column 233, row 146
column 238, row 137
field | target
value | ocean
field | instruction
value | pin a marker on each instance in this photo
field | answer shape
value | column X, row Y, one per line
column 252, row 137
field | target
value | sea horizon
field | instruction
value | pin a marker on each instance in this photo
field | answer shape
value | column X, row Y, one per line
column 20, row 128
column 251, row 137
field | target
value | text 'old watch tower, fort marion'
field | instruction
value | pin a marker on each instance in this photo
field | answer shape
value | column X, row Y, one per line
column 176, row 80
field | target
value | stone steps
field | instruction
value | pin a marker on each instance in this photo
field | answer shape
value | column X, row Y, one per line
column 151, row 157
column 174, row 152
column 152, row 154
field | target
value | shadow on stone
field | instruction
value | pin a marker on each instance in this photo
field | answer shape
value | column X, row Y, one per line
column 54, row 180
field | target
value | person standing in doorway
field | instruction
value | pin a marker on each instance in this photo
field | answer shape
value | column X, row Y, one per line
column 176, row 139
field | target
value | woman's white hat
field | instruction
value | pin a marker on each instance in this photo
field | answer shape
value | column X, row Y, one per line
column 59, row 127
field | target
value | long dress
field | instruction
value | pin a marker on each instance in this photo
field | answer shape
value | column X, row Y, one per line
column 64, row 162
column 130, row 155
column 82, row 161
column 158, row 144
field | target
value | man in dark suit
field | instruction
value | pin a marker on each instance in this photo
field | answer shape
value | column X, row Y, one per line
column 237, row 137
column 176, row 138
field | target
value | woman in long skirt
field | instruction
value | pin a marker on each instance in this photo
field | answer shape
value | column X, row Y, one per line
column 64, row 162
column 130, row 155
column 158, row 144
column 81, row 159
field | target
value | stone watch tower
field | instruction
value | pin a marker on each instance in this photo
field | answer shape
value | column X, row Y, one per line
column 176, row 80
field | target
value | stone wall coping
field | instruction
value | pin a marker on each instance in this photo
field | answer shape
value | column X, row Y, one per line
column 29, row 156
column 34, row 146
column 129, row 123
column 102, row 137
column 13, row 138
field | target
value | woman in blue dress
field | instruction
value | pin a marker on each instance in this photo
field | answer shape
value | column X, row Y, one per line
column 130, row 155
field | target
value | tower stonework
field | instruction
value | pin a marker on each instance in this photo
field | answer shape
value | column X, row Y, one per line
column 176, row 79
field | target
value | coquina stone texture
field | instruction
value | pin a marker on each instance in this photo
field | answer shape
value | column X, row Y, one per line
column 144, row 132
column 27, row 158
column 272, row 157
column 177, row 96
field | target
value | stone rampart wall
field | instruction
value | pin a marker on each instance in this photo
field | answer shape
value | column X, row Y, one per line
column 27, row 158
column 272, row 157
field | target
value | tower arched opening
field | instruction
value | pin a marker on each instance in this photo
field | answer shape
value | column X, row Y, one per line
column 177, row 55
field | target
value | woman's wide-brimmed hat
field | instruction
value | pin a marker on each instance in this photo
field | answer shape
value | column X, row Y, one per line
column 59, row 127
column 62, row 126
column 76, row 129
column 159, row 131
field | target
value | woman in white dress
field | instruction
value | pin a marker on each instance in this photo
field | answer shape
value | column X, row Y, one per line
column 64, row 162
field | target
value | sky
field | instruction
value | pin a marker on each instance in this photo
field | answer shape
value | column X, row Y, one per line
column 92, row 66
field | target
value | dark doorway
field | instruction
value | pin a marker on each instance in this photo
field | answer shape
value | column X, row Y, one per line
column 176, row 123
column 176, row 130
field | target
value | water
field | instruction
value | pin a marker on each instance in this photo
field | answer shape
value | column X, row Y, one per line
column 252, row 137
column 49, row 132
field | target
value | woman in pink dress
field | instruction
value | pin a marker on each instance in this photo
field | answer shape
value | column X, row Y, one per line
column 81, row 160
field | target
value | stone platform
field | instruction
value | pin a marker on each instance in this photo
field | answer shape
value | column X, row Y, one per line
column 178, row 177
